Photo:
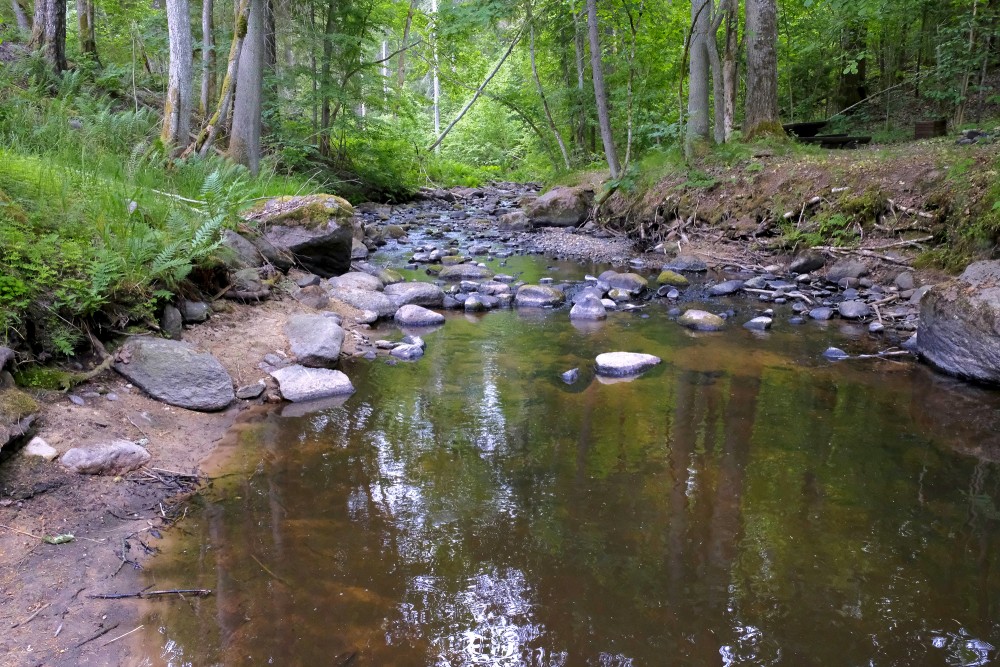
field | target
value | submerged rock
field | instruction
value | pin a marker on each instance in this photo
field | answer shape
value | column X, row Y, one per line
column 701, row 320
column 959, row 324
column 624, row 364
column 570, row 376
column 835, row 354
column 408, row 351
column 298, row 383
column 176, row 373
column 111, row 458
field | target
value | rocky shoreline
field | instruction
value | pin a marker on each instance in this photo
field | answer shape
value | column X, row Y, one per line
column 302, row 296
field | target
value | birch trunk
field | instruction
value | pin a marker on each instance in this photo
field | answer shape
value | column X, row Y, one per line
column 179, row 101
column 600, row 94
column 244, row 138
column 401, row 66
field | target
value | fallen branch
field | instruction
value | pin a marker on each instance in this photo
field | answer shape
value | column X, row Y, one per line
column 198, row 592
column 112, row 641
column 32, row 617
column 264, row 567
column 911, row 211
column 792, row 295
column 862, row 253
column 98, row 635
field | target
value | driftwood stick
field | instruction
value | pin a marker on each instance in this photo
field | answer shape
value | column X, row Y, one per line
column 112, row 641
column 32, row 617
column 199, row 592
column 98, row 635
column 792, row 295
column 264, row 567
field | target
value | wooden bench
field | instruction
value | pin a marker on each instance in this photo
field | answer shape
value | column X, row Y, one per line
column 806, row 129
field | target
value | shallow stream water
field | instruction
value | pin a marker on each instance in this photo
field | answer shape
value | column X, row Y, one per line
column 744, row 503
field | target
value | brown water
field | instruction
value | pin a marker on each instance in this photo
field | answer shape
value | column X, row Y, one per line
column 745, row 503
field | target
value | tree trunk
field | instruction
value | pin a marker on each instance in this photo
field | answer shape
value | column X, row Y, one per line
column 179, row 101
column 23, row 24
column 48, row 33
column 698, row 72
column 208, row 56
column 437, row 82
column 326, row 81
column 219, row 119
column 730, row 71
column 851, row 83
column 85, row 22
column 244, row 138
column 600, row 94
column 401, row 65
column 581, row 82
column 545, row 102
column 760, row 115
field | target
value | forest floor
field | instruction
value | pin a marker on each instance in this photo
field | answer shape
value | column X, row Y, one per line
column 898, row 204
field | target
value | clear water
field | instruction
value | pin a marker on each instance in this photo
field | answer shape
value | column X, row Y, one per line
column 744, row 503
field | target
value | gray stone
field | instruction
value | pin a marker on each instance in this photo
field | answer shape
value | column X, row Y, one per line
column 904, row 281
column 688, row 263
column 911, row 344
column 461, row 272
column 248, row 392
column 357, row 280
column 571, row 376
column 758, row 324
column 514, row 222
column 240, row 253
column 111, row 458
column 876, row 328
column 854, row 310
column 701, row 320
column 420, row 294
column 538, row 296
column 846, row 269
column 807, row 262
column 6, row 356
column 835, row 353
column 412, row 315
column 726, row 288
column 959, row 324
column 194, row 311
column 590, row 308
column 474, row 303
column 407, row 352
column 298, row 383
column 561, row 207
column 176, row 373
column 588, row 293
column 171, row 322
column 624, row 364
column 919, row 293
column 358, row 250
column 303, row 279
column 366, row 300
column 493, row 288
column 821, row 313
column 41, row 449
column 632, row 283
column 315, row 340
column 313, row 296
column 248, row 280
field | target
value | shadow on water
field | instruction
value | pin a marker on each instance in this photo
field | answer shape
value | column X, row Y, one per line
column 743, row 503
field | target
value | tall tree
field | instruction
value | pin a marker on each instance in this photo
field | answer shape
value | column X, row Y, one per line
column 541, row 92
column 730, row 66
column 600, row 94
column 48, row 33
column 21, row 16
column 698, row 76
column 760, row 116
column 401, row 63
column 179, row 101
column 208, row 56
column 85, row 24
column 244, row 137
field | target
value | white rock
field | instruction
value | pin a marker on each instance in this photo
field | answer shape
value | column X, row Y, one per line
column 298, row 383
column 624, row 364
column 40, row 448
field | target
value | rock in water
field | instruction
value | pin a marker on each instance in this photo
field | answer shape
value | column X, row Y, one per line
column 561, row 207
column 176, row 373
column 624, row 364
column 420, row 294
column 959, row 323
column 589, row 308
column 298, row 383
column 854, row 310
column 571, row 376
column 758, row 324
column 408, row 351
column 688, row 263
column 672, row 278
column 366, row 300
column 315, row 340
column 538, row 296
column 417, row 316
column 112, row 458
column 460, row 272
column 846, row 269
column 835, row 354
column 807, row 262
column 700, row 320
column 632, row 283
column 726, row 288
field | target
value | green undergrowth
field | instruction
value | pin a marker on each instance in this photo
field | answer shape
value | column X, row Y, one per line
column 98, row 226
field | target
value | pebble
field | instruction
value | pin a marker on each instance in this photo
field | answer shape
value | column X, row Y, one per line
column 570, row 376
column 759, row 324
column 835, row 353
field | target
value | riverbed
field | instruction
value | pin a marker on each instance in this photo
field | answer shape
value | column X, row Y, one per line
column 746, row 502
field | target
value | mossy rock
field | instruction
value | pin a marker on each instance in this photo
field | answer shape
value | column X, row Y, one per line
column 15, row 405
column 41, row 377
column 673, row 279
column 310, row 211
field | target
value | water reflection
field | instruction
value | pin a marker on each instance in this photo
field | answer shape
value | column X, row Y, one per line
column 740, row 504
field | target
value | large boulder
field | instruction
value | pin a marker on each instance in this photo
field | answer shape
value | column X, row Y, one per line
column 376, row 302
column 420, row 294
column 701, row 320
column 411, row 315
column 538, row 296
column 176, row 373
column 298, row 383
column 357, row 280
column 240, row 253
column 960, row 324
column 315, row 340
column 561, row 207
column 18, row 413
column 111, row 458
column 315, row 231
column 460, row 272
column 590, row 308
column 632, row 283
